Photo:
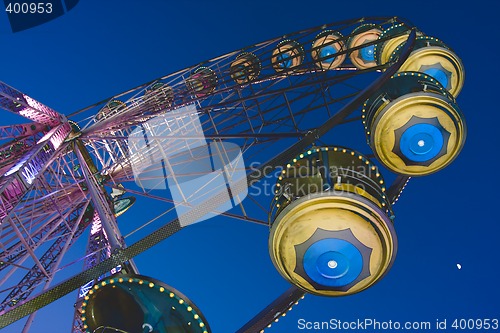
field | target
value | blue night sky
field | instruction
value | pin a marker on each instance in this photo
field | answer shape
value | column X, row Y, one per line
column 101, row 48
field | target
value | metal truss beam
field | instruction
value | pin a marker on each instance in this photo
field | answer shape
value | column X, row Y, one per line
column 19, row 179
column 66, row 234
column 19, row 103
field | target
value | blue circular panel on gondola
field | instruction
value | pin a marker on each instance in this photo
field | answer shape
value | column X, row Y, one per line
column 333, row 262
column 421, row 142
column 285, row 60
column 367, row 53
column 326, row 53
column 240, row 72
column 440, row 75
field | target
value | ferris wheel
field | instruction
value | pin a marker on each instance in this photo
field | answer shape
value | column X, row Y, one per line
column 196, row 140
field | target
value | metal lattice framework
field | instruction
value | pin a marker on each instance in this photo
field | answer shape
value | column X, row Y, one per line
column 57, row 174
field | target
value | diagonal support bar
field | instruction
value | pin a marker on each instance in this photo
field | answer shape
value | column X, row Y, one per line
column 279, row 307
column 101, row 204
column 397, row 188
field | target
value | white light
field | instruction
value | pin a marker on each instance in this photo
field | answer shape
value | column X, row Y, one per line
column 459, row 266
column 421, row 143
column 96, row 224
column 332, row 264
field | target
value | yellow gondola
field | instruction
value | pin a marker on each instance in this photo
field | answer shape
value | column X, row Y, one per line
column 432, row 57
column 364, row 58
column 414, row 125
column 287, row 55
column 332, row 232
column 202, row 82
column 245, row 68
column 325, row 47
